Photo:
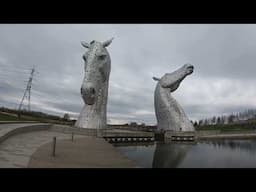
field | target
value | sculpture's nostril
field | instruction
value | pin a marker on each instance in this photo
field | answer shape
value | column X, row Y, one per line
column 92, row 90
column 89, row 95
column 191, row 67
column 89, row 90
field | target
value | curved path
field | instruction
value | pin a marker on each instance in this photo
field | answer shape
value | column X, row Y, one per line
column 17, row 150
column 21, row 149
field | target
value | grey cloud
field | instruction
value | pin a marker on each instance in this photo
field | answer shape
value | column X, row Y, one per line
column 138, row 52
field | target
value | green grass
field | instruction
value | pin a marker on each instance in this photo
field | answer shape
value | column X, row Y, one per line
column 8, row 115
column 5, row 117
column 229, row 127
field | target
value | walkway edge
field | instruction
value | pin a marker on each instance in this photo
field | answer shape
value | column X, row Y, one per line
column 5, row 134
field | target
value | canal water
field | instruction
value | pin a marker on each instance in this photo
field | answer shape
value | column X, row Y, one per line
column 203, row 154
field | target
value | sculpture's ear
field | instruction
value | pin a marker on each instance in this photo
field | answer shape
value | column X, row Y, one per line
column 108, row 42
column 84, row 44
column 156, row 79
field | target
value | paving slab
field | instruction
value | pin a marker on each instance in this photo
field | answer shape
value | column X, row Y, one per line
column 15, row 152
column 87, row 152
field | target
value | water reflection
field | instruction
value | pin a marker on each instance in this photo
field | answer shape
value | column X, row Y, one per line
column 203, row 154
column 129, row 144
column 169, row 155
column 247, row 145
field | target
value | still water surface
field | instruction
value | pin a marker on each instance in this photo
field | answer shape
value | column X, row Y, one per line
column 207, row 154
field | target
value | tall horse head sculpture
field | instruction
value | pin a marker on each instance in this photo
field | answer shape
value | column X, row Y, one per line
column 169, row 114
column 94, row 89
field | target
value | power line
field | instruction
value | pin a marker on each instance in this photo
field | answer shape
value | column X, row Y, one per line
column 27, row 93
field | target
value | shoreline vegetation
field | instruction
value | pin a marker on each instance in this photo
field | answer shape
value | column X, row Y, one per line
column 245, row 130
column 11, row 115
column 249, row 126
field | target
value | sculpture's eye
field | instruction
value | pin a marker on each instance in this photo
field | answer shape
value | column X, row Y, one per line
column 84, row 58
column 102, row 57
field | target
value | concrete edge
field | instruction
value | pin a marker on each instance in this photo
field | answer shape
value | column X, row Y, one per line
column 24, row 129
column 69, row 129
column 95, row 132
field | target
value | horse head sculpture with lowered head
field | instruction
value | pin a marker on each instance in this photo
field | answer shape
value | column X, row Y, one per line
column 169, row 114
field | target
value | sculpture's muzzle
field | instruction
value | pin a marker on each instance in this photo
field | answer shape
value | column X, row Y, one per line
column 189, row 69
column 89, row 95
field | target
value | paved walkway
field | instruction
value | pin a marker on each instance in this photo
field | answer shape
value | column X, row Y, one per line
column 16, row 151
column 87, row 152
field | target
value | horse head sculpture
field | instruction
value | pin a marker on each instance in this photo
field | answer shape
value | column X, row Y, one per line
column 94, row 89
column 169, row 114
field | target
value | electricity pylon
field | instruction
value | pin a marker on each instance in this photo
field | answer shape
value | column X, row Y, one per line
column 27, row 92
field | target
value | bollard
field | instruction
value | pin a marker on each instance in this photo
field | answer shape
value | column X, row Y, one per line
column 53, row 146
column 72, row 136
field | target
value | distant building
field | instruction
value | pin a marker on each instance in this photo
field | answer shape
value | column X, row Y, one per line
column 133, row 124
column 225, row 120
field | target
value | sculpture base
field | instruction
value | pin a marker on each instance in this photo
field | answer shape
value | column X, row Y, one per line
column 90, row 119
column 170, row 115
column 187, row 136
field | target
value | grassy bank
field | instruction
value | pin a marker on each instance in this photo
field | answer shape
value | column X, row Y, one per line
column 14, row 117
column 5, row 117
column 250, row 126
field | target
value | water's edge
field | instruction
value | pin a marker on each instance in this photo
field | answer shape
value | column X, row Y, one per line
column 222, row 153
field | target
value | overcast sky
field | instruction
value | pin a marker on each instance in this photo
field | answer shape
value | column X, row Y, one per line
column 223, row 55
